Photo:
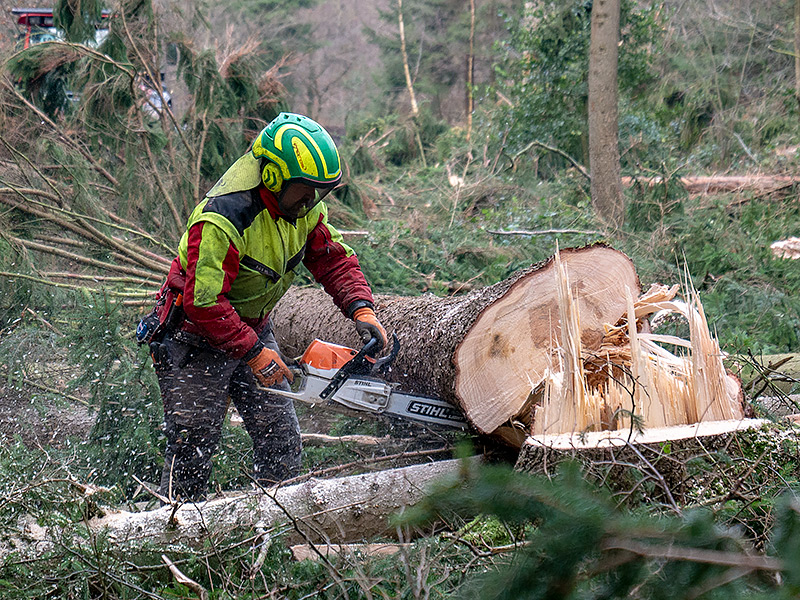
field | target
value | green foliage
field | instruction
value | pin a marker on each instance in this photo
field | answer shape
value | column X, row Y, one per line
column 78, row 20
column 582, row 546
column 545, row 69
column 126, row 440
column 436, row 37
column 750, row 298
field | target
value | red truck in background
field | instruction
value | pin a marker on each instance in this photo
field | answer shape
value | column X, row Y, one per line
column 36, row 26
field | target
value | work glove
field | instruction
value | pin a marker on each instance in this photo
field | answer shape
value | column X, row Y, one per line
column 368, row 326
column 268, row 368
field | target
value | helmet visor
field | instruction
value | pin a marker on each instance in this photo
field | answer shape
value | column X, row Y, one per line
column 297, row 199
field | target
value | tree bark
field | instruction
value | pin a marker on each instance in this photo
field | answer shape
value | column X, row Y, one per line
column 484, row 351
column 606, row 189
column 404, row 54
column 470, row 79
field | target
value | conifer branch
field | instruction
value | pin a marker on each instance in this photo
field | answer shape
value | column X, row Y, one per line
column 137, row 254
column 107, row 278
column 150, row 74
column 536, row 143
column 9, row 86
column 157, row 175
column 17, row 154
column 68, row 286
column 699, row 555
column 81, row 259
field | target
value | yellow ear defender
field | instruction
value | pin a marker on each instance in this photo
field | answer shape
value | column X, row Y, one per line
column 272, row 177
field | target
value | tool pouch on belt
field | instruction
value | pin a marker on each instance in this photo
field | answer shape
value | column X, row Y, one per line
column 166, row 316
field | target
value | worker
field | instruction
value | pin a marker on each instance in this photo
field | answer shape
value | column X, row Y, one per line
column 210, row 334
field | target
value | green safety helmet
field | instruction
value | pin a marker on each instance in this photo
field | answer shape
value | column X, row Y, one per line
column 291, row 148
column 294, row 148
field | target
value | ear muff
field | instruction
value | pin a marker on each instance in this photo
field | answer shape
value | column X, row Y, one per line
column 272, row 177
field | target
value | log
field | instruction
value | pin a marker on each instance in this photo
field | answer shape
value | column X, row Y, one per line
column 722, row 183
column 341, row 510
column 788, row 248
column 315, row 553
column 483, row 351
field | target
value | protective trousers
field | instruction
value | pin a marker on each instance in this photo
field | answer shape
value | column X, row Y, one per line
column 196, row 382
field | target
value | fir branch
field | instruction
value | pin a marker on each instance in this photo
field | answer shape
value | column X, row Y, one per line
column 79, row 288
column 49, row 390
column 137, row 254
column 9, row 86
column 17, row 154
column 543, row 232
column 81, row 259
column 536, row 143
column 157, row 174
column 699, row 555
column 176, row 126
column 98, row 278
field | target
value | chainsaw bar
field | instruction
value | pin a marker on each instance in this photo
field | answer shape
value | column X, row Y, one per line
column 352, row 386
column 425, row 410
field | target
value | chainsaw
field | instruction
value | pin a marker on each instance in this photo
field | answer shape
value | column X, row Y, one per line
column 338, row 377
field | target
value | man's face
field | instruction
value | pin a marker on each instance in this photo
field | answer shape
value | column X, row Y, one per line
column 297, row 199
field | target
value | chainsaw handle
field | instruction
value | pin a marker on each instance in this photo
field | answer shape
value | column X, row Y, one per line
column 369, row 348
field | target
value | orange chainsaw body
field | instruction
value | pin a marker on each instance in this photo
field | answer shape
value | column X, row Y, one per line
column 326, row 356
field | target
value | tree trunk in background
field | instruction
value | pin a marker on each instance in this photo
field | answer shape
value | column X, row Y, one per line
column 606, row 188
column 471, row 68
column 406, row 70
column 797, row 50
column 483, row 351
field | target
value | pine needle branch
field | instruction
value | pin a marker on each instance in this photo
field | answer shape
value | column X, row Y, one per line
column 75, row 145
column 82, row 259
column 139, row 255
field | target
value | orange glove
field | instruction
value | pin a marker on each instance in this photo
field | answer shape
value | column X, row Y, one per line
column 268, row 368
column 368, row 326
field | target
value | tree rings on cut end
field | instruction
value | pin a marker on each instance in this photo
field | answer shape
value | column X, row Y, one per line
column 513, row 342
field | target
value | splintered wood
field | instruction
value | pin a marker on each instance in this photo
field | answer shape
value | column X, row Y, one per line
column 632, row 379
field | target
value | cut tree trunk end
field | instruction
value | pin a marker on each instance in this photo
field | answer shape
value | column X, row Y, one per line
column 484, row 351
column 633, row 381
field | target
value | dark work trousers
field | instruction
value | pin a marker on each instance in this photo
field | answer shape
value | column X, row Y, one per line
column 196, row 383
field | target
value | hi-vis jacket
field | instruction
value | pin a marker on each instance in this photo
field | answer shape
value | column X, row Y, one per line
column 238, row 257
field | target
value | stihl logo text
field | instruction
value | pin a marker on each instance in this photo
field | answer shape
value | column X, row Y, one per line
column 432, row 410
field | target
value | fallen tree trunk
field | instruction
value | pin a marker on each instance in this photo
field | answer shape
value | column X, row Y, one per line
column 346, row 509
column 484, row 351
column 721, row 183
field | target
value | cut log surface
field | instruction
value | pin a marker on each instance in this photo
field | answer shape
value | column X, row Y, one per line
column 624, row 437
column 510, row 346
column 484, row 351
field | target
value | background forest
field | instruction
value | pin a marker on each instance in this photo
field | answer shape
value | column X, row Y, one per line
column 466, row 154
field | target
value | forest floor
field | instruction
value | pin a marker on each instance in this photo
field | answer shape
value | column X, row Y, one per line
column 38, row 421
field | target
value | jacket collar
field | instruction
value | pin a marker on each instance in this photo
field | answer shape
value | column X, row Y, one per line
column 270, row 200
